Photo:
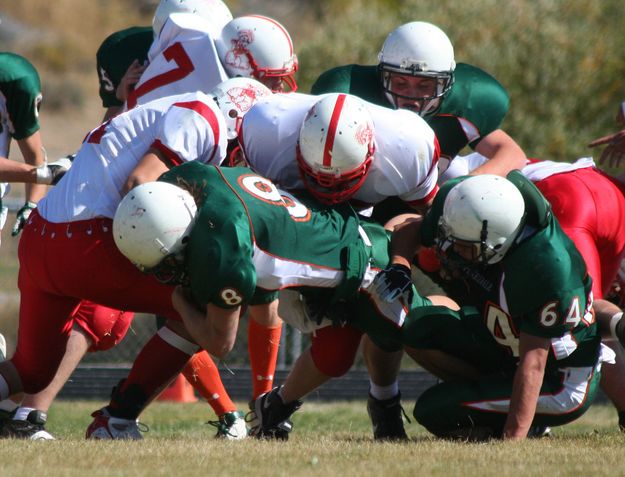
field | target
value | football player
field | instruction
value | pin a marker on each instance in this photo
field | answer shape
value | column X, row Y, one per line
column 20, row 88
column 462, row 103
column 341, row 148
column 590, row 207
column 72, row 219
column 522, row 361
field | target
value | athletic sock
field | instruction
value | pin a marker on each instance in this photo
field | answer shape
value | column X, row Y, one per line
column 382, row 393
column 203, row 375
column 263, row 343
column 158, row 363
column 22, row 413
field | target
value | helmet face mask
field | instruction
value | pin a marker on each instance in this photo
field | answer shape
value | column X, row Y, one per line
column 333, row 188
column 335, row 147
column 421, row 54
column 421, row 92
column 456, row 253
column 170, row 271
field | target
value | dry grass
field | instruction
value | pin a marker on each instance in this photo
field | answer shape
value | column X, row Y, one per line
column 329, row 439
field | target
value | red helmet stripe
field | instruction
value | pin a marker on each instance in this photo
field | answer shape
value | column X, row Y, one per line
column 334, row 121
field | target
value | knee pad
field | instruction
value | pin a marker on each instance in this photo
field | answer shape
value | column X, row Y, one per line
column 333, row 349
column 106, row 327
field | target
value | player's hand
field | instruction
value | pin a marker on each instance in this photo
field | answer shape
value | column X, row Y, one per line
column 129, row 80
column 392, row 283
column 614, row 152
column 22, row 217
column 51, row 172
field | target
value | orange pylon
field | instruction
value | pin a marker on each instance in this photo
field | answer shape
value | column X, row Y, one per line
column 179, row 391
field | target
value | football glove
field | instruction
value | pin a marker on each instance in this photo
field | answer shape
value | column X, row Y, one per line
column 22, row 217
column 392, row 283
column 51, row 172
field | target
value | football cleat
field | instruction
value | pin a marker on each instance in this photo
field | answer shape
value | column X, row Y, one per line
column 269, row 416
column 107, row 427
column 230, row 426
column 32, row 428
column 387, row 418
column 538, row 432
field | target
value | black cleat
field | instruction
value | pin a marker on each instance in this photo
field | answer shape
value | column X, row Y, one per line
column 269, row 416
column 387, row 418
column 32, row 428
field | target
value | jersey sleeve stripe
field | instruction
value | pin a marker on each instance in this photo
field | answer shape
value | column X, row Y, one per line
column 168, row 153
column 425, row 199
column 211, row 118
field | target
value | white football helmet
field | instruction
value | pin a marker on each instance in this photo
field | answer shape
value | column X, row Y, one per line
column 335, row 147
column 153, row 222
column 418, row 49
column 486, row 211
column 215, row 11
column 261, row 48
column 235, row 97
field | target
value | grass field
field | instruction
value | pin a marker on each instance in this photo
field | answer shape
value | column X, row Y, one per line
column 330, row 439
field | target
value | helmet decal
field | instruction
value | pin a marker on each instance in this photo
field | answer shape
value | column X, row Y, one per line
column 245, row 98
column 364, row 134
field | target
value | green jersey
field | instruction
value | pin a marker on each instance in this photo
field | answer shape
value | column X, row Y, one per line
column 474, row 107
column 116, row 54
column 251, row 240
column 20, row 98
column 249, row 235
column 540, row 287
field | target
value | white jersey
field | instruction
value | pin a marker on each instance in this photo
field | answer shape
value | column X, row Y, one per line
column 183, row 128
column 404, row 162
column 534, row 170
column 182, row 59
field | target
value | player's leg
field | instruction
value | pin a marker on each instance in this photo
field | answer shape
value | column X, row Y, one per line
column 264, row 330
column 477, row 410
column 331, row 354
column 203, row 375
column 158, row 363
column 96, row 328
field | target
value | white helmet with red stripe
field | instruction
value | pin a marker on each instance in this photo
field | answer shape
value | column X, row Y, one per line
column 235, row 97
column 335, row 147
column 261, row 48
column 215, row 11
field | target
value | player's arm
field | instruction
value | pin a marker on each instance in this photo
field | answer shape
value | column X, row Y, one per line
column 528, row 379
column 215, row 330
column 150, row 167
column 13, row 171
column 32, row 150
column 503, row 152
